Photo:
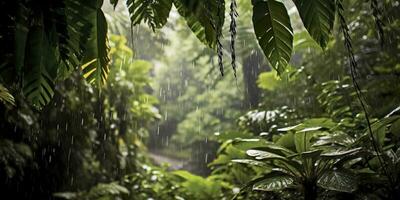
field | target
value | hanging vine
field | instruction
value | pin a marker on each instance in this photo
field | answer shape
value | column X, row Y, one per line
column 232, row 29
column 353, row 72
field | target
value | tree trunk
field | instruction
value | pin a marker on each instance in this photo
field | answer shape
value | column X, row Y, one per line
column 252, row 67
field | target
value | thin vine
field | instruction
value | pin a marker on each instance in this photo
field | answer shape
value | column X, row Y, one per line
column 353, row 67
column 377, row 14
column 232, row 29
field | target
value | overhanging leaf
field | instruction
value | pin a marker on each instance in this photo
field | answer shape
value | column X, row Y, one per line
column 274, row 32
column 318, row 17
column 97, row 49
column 153, row 12
column 40, row 61
column 203, row 18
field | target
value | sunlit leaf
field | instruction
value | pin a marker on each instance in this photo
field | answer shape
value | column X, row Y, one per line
column 96, row 60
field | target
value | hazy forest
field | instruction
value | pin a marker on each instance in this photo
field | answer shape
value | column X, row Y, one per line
column 200, row 99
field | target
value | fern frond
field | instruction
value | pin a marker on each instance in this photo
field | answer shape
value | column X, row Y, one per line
column 153, row 12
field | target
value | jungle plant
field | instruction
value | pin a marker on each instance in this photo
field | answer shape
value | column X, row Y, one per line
column 300, row 161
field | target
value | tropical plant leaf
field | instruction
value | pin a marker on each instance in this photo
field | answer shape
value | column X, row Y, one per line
column 338, row 180
column 96, row 61
column 302, row 141
column 274, row 181
column 72, row 30
column 153, row 12
column 250, row 162
column 5, row 96
column 318, row 17
column 39, row 69
column 340, row 154
column 203, row 18
column 274, row 32
column 261, row 155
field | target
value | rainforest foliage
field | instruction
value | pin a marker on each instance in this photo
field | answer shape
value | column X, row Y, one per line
column 250, row 99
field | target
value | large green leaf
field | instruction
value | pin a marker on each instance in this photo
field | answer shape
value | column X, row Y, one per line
column 273, row 182
column 262, row 155
column 318, row 17
column 204, row 17
column 96, row 60
column 338, row 180
column 273, row 31
column 153, row 12
column 302, row 140
column 250, row 162
column 40, row 65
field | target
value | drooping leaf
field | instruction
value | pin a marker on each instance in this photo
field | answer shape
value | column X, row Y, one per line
column 338, row 180
column 273, row 182
column 5, row 96
column 96, row 61
column 318, row 17
column 204, row 17
column 73, row 30
column 274, row 32
column 39, row 68
column 153, row 12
